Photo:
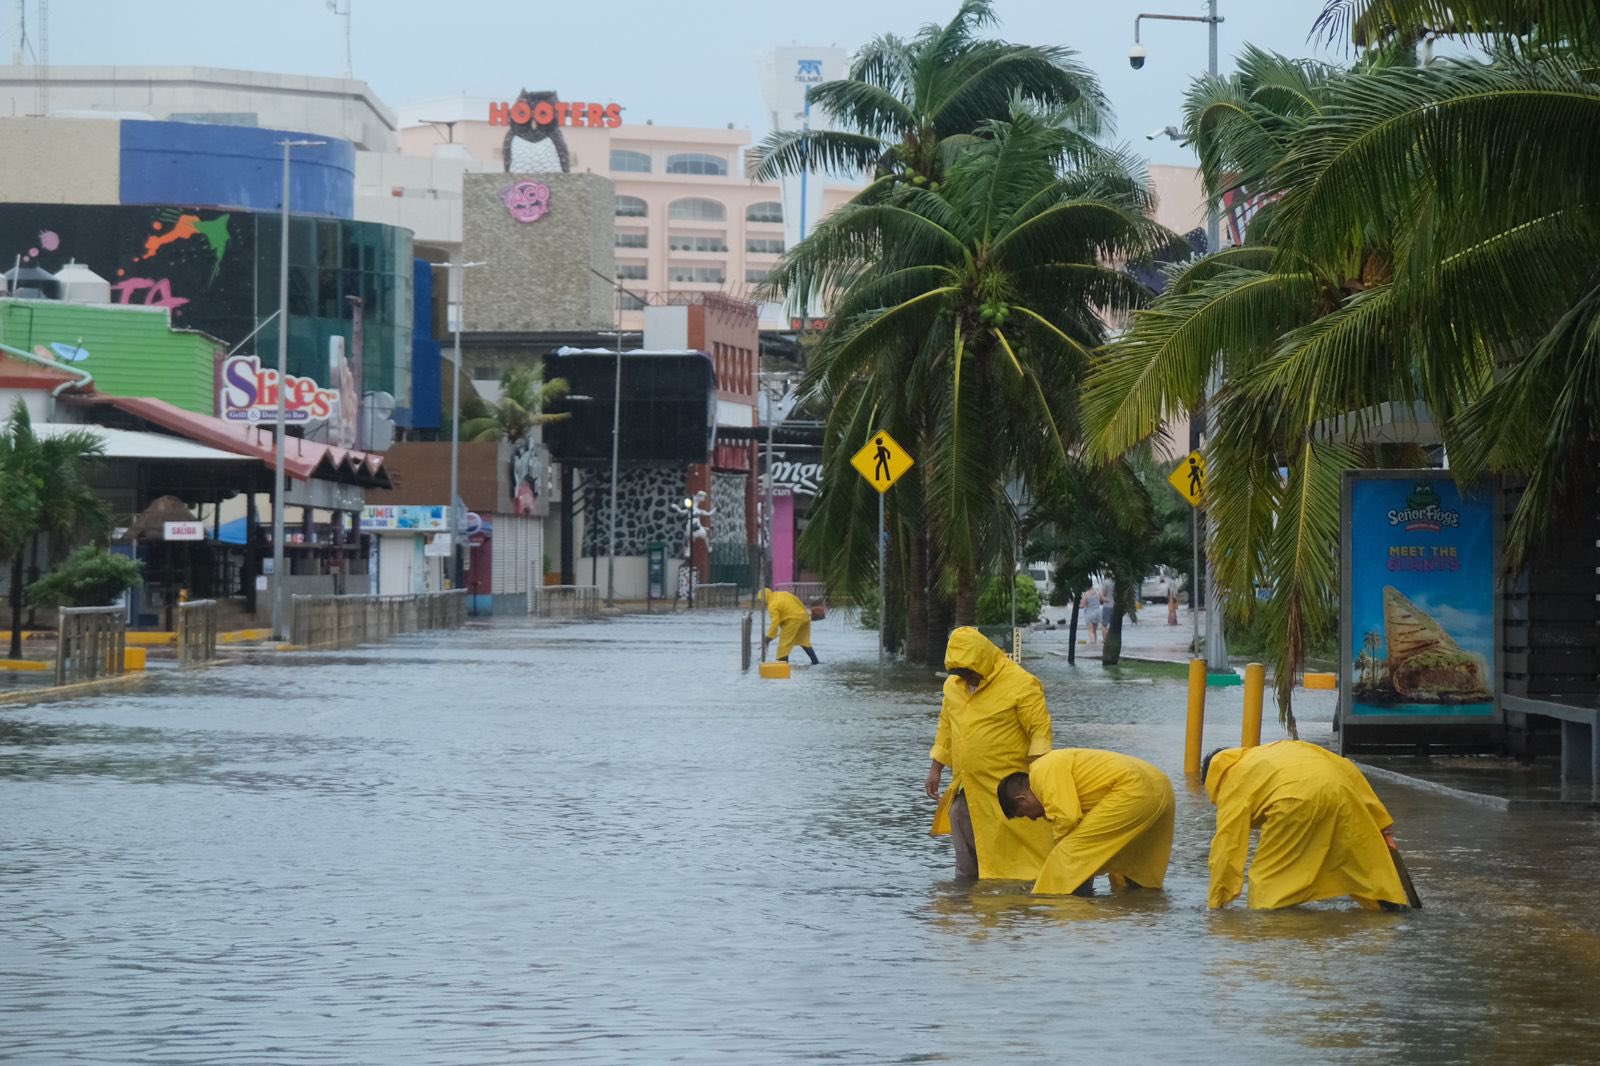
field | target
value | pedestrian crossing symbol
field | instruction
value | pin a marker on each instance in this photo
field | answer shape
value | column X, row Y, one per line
column 881, row 461
column 1190, row 478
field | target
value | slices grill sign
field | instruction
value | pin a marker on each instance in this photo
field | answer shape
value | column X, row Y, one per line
column 249, row 393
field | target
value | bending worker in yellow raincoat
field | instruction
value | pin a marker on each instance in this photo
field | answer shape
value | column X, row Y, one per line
column 1111, row 814
column 1322, row 828
column 993, row 722
column 791, row 624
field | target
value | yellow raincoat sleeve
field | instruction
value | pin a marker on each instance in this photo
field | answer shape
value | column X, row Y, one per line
column 940, row 752
column 1051, row 780
column 1034, row 717
column 1229, row 850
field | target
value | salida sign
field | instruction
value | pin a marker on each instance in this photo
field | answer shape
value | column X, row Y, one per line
column 556, row 113
column 249, row 393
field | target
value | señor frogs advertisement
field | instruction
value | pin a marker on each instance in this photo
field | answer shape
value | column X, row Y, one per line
column 1421, row 569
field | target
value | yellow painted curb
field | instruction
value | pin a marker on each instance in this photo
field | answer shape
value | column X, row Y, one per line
column 775, row 670
column 23, row 664
column 149, row 638
column 133, row 659
column 244, row 636
column 57, row 692
column 1322, row 681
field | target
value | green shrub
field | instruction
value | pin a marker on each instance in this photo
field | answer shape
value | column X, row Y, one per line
column 994, row 604
column 88, row 578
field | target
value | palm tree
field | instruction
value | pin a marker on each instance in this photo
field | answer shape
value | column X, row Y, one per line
column 968, row 314
column 909, row 107
column 52, row 498
column 523, row 396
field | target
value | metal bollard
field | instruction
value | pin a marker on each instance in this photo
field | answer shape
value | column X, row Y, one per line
column 745, row 624
column 1197, row 716
column 1255, row 681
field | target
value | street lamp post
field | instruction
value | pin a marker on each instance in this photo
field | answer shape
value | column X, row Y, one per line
column 1216, row 640
column 280, row 614
column 458, row 273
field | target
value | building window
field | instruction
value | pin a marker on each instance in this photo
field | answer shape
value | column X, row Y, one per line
column 698, row 275
column 768, row 211
column 693, row 210
column 756, row 277
column 632, row 271
column 630, row 162
column 696, row 163
column 680, row 243
column 633, row 240
column 764, row 245
column 631, row 207
column 629, row 302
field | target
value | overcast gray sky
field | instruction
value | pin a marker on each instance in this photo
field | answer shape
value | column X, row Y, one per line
column 687, row 63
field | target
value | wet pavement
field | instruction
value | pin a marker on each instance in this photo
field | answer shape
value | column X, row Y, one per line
column 603, row 843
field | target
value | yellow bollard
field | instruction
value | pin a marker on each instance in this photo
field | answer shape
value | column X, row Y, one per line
column 1255, row 681
column 774, row 670
column 1197, row 716
column 132, row 659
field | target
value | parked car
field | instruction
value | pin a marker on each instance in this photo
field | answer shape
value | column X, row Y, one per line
column 1039, row 573
column 1154, row 587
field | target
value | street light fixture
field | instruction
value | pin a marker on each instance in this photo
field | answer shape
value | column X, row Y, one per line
column 1216, row 641
column 280, row 613
column 458, row 272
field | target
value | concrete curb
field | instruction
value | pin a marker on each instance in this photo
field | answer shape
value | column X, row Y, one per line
column 60, row 692
column 1498, row 803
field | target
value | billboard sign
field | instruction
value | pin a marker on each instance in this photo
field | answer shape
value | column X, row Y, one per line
column 183, row 531
column 249, row 393
column 1418, row 621
column 404, row 518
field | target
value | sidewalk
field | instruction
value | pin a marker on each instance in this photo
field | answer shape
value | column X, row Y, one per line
column 1148, row 639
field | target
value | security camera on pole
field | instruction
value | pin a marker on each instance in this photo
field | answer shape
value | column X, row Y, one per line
column 1216, row 643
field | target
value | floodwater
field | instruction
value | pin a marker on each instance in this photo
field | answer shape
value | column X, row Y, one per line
column 602, row 843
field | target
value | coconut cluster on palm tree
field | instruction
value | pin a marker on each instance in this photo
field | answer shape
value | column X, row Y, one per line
column 1428, row 238
column 966, row 288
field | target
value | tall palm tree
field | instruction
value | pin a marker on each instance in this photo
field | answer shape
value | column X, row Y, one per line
column 52, row 498
column 971, row 312
column 524, row 395
column 909, row 106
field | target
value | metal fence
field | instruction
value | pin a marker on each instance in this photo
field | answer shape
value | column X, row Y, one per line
column 716, row 595
column 197, row 633
column 564, row 601
column 805, row 591
column 344, row 621
column 91, row 643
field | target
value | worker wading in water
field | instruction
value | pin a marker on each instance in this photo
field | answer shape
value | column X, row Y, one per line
column 1323, row 829
column 993, row 722
column 791, row 624
column 1110, row 813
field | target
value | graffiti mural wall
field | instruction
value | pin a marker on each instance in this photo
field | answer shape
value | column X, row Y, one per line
column 217, row 271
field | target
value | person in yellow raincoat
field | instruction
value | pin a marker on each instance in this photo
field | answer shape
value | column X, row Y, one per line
column 791, row 624
column 1322, row 828
column 1111, row 814
column 993, row 722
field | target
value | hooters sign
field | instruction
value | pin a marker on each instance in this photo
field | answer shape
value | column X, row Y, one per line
column 555, row 113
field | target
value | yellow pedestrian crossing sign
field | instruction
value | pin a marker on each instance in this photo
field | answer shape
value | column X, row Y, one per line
column 881, row 461
column 1190, row 478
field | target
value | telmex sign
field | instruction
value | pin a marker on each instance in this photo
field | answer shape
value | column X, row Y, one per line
column 250, row 394
column 556, row 113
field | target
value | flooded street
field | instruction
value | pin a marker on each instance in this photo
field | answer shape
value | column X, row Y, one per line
column 603, row 843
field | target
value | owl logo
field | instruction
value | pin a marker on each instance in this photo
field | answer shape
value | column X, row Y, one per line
column 527, row 201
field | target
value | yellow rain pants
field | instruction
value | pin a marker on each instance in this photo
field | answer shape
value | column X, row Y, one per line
column 1321, row 828
column 984, row 735
column 791, row 622
column 1111, row 814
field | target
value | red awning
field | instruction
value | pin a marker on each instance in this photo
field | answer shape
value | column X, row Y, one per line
column 302, row 459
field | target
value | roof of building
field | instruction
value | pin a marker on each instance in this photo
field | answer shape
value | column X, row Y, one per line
column 18, row 373
column 303, row 459
column 134, row 444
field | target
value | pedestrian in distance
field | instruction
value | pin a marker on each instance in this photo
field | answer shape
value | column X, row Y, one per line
column 992, row 722
column 1108, row 603
column 790, row 624
column 1171, row 587
column 1324, row 832
column 1110, row 814
column 1089, row 607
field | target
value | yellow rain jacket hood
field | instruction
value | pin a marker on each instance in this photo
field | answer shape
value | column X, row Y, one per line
column 1321, row 828
column 1110, row 813
column 985, row 734
column 790, row 621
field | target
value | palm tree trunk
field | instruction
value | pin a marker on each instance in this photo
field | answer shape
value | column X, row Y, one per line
column 1122, row 601
column 916, row 594
column 966, row 596
column 16, row 607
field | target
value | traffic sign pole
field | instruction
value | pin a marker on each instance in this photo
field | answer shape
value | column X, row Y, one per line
column 881, row 462
column 883, row 594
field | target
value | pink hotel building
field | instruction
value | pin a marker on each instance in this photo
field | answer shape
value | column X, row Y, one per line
column 688, row 218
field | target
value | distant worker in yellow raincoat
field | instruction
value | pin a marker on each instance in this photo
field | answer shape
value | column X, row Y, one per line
column 791, row 624
column 1322, row 828
column 993, row 722
column 1110, row 813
